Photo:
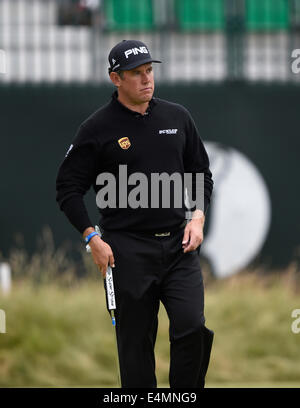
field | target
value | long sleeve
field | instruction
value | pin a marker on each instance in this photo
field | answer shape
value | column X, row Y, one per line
column 75, row 176
column 196, row 161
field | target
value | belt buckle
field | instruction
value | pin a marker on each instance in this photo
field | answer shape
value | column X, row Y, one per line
column 162, row 234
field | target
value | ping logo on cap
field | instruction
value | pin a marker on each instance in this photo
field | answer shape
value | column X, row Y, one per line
column 135, row 51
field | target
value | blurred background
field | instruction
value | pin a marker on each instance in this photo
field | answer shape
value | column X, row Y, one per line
column 235, row 64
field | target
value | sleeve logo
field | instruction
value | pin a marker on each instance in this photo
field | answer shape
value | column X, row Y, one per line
column 70, row 148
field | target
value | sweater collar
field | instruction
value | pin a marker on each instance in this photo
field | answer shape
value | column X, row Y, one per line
column 116, row 102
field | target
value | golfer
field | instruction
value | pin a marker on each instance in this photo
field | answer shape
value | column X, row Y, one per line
column 124, row 150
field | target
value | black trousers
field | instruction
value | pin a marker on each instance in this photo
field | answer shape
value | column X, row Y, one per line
column 149, row 269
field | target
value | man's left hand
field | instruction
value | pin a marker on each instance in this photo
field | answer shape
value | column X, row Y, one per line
column 193, row 232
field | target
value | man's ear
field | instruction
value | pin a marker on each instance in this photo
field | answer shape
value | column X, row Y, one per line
column 115, row 78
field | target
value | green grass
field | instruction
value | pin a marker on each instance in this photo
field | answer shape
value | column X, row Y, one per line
column 254, row 343
column 61, row 334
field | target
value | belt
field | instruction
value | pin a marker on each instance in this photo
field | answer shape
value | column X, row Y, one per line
column 162, row 234
column 155, row 233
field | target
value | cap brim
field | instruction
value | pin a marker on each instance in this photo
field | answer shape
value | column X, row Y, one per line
column 138, row 63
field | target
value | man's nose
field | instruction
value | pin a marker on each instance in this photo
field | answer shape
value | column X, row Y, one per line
column 145, row 77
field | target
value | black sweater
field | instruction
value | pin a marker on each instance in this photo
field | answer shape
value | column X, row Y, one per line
column 155, row 147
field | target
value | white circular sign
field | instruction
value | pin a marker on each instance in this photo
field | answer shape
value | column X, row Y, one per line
column 240, row 211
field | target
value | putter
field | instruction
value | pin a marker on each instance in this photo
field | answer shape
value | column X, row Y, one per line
column 111, row 302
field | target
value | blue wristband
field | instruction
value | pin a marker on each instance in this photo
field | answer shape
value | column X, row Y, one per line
column 90, row 236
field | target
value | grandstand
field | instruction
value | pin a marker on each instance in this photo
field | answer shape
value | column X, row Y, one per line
column 200, row 40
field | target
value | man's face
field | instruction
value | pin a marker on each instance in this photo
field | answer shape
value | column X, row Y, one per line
column 137, row 85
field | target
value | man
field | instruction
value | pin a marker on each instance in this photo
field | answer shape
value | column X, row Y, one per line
column 152, row 249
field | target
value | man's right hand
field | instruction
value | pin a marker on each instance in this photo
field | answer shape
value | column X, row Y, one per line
column 101, row 252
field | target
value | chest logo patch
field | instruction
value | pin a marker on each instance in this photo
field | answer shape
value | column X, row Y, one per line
column 124, row 143
column 168, row 131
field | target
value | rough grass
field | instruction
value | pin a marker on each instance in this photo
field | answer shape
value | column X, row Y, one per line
column 60, row 334
column 254, row 343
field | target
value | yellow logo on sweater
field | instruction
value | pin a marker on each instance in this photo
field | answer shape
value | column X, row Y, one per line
column 124, row 142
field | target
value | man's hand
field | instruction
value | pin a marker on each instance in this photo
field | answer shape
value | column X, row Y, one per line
column 193, row 232
column 101, row 252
